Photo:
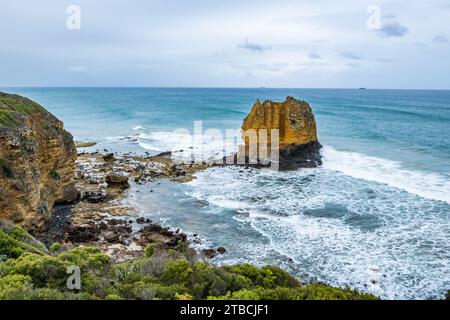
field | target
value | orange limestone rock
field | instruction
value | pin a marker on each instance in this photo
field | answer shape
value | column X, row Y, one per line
column 297, row 131
column 37, row 162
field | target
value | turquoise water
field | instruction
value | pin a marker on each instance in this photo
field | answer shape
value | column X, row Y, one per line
column 375, row 216
column 405, row 125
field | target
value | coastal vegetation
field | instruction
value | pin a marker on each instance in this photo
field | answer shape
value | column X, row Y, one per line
column 29, row 271
column 11, row 106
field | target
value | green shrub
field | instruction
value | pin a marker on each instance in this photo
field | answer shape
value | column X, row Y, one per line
column 324, row 292
column 281, row 277
column 55, row 247
column 207, row 280
column 12, row 285
column 169, row 292
column 44, row 271
column 20, row 287
column 266, row 277
column 14, row 241
column 9, row 247
column 177, row 272
column 12, row 106
column 51, row 271
column 237, row 295
column 149, row 291
column 184, row 296
column 48, row 294
column 149, row 250
column 120, row 271
column 91, row 258
column 308, row 292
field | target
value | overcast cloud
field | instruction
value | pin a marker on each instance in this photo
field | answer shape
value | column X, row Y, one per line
column 209, row 43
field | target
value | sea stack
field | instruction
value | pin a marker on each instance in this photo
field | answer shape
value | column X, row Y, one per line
column 294, row 119
column 37, row 162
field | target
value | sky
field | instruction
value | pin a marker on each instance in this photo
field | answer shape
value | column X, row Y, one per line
column 208, row 43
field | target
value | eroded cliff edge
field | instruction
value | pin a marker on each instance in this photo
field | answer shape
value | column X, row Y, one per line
column 298, row 143
column 37, row 162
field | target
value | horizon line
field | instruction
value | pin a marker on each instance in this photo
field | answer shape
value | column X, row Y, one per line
column 217, row 87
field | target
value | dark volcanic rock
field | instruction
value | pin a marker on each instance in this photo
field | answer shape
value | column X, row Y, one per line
column 111, row 231
column 155, row 233
column 140, row 220
column 94, row 197
column 209, row 253
column 82, row 234
column 301, row 156
column 221, row 250
column 109, row 157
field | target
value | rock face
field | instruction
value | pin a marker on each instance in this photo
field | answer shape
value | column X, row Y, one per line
column 298, row 143
column 117, row 180
column 37, row 162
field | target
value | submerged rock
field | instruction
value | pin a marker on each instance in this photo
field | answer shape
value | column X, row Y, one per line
column 294, row 119
column 84, row 144
column 221, row 250
column 37, row 162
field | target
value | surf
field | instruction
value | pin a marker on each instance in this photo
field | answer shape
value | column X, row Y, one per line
column 433, row 186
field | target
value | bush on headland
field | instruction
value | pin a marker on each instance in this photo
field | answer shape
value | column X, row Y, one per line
column 29, row 271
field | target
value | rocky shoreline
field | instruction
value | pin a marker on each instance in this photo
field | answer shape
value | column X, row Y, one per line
column 79, row 199
column 100, row 216
column 61, row 206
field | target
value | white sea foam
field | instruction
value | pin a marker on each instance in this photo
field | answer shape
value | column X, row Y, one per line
column 428, row 185
column 357, row 221
column 338, row 229
column 185, row 146
column 114, row 138
column 424, row 184
column 139, row 127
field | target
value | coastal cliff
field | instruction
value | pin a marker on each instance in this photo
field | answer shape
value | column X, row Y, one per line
column 37, row 162
column 298, row 143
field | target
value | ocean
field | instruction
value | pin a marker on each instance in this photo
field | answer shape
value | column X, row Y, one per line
column 375, row 216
